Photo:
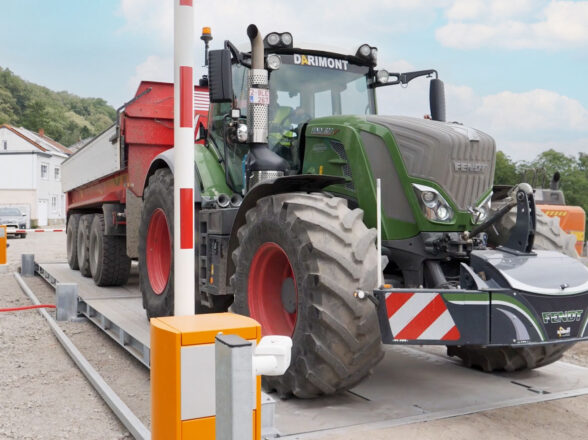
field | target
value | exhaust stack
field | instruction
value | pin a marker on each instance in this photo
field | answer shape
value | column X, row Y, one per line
column 262, row 163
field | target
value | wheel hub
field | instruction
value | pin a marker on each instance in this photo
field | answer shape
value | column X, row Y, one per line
column 272, row 292
column 158, row 251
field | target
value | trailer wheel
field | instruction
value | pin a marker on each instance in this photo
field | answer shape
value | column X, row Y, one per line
column 109, row 263
column 83, row 242
column 72, row 244
column 156, row 238
column 300, row 259
column 509, row 358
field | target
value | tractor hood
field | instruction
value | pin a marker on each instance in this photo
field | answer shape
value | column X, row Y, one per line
column 458, row 158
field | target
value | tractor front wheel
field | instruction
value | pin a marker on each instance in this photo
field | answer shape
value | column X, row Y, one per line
column 300, row 259
column 509, row 358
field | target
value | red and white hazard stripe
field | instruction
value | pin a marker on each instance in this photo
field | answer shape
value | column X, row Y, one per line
column 421, row 315
column 22, row 231
column 201, row 101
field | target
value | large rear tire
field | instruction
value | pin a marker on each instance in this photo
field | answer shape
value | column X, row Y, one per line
column 83, row 242
column 509, row 358
column 109, row 263
column 72, row 243
column 300, row 259
column 156, row 238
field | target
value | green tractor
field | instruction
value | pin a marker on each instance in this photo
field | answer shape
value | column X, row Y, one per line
column 287, row 224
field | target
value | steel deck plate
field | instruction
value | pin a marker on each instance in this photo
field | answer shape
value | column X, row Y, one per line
column 411, row 384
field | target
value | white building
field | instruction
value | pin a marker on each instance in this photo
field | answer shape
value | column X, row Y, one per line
column 30, row 174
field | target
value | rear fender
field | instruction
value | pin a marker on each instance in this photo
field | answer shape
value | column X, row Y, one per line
column 281, row 185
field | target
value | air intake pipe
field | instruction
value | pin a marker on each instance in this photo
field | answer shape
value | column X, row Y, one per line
column 261, row 163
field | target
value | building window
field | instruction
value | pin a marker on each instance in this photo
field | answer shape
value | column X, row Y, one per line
column 45, row 171
column 53, row 203
column 5, row 145
column 57, row 170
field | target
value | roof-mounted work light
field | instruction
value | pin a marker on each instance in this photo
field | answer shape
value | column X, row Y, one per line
column 368, row 53
column 277, row 40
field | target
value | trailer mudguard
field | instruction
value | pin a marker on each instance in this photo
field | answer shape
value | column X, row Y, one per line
column 520, row 300
column 280, row 185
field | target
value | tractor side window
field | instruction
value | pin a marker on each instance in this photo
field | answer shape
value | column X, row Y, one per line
column 232, row 153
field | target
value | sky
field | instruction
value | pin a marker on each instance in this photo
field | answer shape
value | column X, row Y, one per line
column 516, row 69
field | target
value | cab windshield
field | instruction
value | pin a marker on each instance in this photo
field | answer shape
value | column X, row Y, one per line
column 304, row 87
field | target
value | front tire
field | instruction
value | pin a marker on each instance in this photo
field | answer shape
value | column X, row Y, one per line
column 300, row 259
column 506, row 358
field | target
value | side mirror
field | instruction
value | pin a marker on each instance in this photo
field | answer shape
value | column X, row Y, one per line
column 437, row 100
column 220, row 79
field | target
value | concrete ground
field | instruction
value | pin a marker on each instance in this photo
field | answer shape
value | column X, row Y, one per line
column 44, row 396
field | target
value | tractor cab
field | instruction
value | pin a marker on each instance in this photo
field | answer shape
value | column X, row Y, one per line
column 303, row 84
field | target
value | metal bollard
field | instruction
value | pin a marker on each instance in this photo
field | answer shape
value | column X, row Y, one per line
column 67, row 301
column 234, row 387
column 27, row 265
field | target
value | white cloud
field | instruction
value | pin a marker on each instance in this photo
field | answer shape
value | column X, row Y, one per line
column 518, row 24
column 154, row 68
column 523, row 124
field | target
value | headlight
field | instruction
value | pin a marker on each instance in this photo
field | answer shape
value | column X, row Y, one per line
column 273, row 62
column 286, row 39
column 374, row 55
column 434, row 206
column 382, row 76
column 364, row 50
column 273, row 39
column 481, row 212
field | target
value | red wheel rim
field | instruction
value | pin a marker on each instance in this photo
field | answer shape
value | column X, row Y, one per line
column 270, row 268
column 158, row 251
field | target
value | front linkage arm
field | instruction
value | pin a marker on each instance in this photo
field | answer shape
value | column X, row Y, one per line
column 522, row 235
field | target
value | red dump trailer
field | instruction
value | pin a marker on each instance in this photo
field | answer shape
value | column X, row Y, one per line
column 105, row 179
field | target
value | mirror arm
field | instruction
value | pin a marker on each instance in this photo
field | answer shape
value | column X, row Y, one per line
column 239, row 56
column 405, row 78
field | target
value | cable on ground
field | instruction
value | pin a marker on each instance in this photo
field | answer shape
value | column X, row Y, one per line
column 18, row 309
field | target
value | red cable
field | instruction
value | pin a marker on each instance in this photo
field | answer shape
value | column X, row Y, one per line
column 40, row 306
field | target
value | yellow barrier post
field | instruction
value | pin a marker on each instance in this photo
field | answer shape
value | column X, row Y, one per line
column 183, row 374
column 3, row 244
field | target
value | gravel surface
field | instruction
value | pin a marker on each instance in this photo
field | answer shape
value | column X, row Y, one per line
column 44, row 396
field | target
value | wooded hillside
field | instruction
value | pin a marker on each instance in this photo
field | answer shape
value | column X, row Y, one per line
column 65, row 117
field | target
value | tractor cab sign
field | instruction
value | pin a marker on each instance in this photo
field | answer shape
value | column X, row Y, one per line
column 318, row 61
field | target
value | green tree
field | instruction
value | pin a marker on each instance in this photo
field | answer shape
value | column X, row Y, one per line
column 506, row 170
column 64, row 117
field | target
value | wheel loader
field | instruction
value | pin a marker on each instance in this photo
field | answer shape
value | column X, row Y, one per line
column 287, row 170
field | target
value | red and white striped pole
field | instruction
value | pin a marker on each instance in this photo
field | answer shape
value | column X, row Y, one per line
column 183, row 158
